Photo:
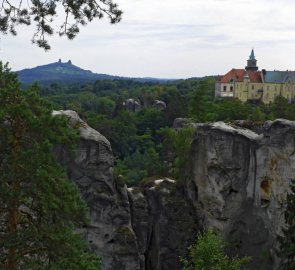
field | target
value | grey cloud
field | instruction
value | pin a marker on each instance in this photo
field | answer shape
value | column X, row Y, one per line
column 166, row 31
column 264, row 43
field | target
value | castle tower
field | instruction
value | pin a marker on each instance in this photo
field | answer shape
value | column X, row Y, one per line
column 252, row 62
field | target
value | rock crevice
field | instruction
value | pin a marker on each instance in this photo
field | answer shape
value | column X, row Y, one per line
column 237, row 183
column 242, row 181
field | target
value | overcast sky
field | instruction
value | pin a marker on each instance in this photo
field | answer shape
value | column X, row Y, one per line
column 172, row 39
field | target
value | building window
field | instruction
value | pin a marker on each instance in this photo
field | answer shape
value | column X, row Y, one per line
column 224, row 88
column 231, row 88
column 252, row 87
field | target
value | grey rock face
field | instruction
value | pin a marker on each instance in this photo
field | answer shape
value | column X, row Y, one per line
column 184, row 123
column 90, row 166
column 132, row 105
column 237, row 184
column 255, row 126
column 242, row 179
column 135, row 229
column 181, row 123
column 159, row 104
column 165, row 223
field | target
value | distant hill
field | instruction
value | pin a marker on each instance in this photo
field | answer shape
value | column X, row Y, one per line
column 69, row 73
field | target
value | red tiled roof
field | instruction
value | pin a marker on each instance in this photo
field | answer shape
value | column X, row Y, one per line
column 237, row 75
column 254, row 76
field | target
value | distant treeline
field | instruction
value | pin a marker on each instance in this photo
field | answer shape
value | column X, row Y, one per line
column 142, row 141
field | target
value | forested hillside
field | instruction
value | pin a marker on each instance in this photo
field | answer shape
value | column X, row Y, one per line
column 141, row 135
column 68, row 73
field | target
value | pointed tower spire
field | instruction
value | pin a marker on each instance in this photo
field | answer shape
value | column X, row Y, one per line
column 251, row 63
column 252, row 55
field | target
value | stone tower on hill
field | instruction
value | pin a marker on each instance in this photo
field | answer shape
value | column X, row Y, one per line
column 252, row 62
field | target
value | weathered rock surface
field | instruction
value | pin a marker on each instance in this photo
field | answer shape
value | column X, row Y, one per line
column 242, row 179
column 165, row 223
column 132, row 105
column 256, row 126
column 237, row 184
column 90, row 166
column 134, row 229
column 159, row 104
column 183, row 122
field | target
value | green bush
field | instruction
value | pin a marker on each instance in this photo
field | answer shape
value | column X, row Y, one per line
column 208, row 254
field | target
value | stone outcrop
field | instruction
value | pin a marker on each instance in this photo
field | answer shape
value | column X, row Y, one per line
column 132, row 105
column 237, row 183
column 165, row 223
column 256, row 126
column 159, row 104
column 145, row 228
column 90, row 166
column 242, row 179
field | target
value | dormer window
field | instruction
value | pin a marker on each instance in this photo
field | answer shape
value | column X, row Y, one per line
column 231, row 80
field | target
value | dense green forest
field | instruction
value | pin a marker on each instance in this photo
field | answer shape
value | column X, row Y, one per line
column 142, row 140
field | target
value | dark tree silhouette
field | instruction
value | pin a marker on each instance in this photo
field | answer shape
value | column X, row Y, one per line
column 42, row 13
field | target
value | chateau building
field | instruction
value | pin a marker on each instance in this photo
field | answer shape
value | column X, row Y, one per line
column 251, row 84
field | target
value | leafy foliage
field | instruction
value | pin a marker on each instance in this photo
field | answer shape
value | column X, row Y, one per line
column 208, row 254
column 181, row 141
column 76, row 13
column 40, row 207
column 201, row 104
column 140, row 140
column 287, row 240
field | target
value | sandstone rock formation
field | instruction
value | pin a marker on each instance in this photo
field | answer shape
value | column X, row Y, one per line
column 242, row 179
column 90, row 166
column 237, row 184
column 132, row 105
column 165, row 223
column 135, row 229
column 159, row 104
